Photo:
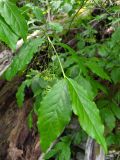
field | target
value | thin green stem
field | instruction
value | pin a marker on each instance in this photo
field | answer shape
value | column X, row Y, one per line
column 81, row 6
column 57, row 56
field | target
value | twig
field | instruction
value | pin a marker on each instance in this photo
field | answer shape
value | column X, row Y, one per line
column 75, row 15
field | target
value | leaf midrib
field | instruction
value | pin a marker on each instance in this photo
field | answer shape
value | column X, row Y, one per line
column 87, row 113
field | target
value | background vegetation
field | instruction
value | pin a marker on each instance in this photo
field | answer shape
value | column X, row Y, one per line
column 68, row 52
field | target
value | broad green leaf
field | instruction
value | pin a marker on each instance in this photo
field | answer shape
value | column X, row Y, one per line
column 87, row 112
column 50, row 154
column 97, row 69
column 117, row 136
column 73, row 71
column 54, row 114
column 86, row 85
column 115, row 109
column 115, row 75
column 38, row 13
column 103, row 50
column 79, row 136
column 63, row 147
column 113, row 139
column 56, row 26
column 109, row 119
column 116, row 36
column 69, row 62
column 24, row 10
column 7, row 35
column 102, row 103
column 56, row 4
column 23, row 58
column 83, row 68
column 67, row 7
column 65, row 152
column 10, row 12
column 117, row 97
column 98, row 86
column 110, row 140
column 13, row 1
column 37, row 103
column 61, row 150
column 20, row 93
column 38, row 84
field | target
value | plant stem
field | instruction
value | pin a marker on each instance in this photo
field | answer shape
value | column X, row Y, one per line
column 57, row 56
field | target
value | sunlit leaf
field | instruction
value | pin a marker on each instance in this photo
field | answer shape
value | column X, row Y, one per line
column 54, row 114
column 7, row 35
column 13, row 17
column 20, row 93
column 23, row 58
column 87, row 112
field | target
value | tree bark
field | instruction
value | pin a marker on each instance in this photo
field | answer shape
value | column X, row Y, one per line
column 17, row 141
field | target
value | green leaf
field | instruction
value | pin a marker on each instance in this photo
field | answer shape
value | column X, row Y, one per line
column 98, row 86
column 117, row 97
column 115, row 109
column 63, row 147
column 86, row 85
column 23, row 57
column 75, row 58
column 37, row 103
column 102, row 103
column 117, row 137
column 13, row 1
column 102, row 50
column 38, row 13
column 115, row 75
column 116, row 36
column 73, row 71
column 50, row 154
column 54, row 114
column 109, row 118
column 83, row 69
column 56, row 4
column 67, row 7
column 111, row 139
column 38, row 84
column 20, row 93
column 10, row 12
column 56, row 26
column 69, row 61
column 87, row 112
column 65, row 46
column 79, row 136
column 7, row 35
column 97, row 69
column 61, row 150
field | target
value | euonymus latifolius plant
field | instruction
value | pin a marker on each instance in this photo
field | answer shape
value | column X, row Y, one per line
column 82, row 75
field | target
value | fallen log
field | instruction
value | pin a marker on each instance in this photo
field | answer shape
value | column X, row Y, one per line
column 17, row 141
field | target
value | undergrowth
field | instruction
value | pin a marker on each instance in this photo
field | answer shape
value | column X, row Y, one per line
column 72, row 67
